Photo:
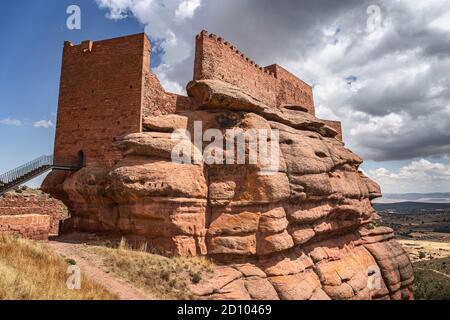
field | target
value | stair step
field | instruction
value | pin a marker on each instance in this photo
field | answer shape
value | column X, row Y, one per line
column 28, row 171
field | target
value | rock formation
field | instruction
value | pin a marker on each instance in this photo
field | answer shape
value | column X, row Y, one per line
column 305, row 231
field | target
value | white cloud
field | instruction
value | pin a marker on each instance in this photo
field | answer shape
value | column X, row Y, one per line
column 11, row 122
column 442, row 22
column 118, row 9
column 171, row 86
column 168, row 23
column 46, row 124
column 390, row 124
column 187, row 8
column 418, row 176
column 397, row 108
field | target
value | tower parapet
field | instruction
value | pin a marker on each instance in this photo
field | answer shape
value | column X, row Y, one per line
column 217, row 59
column 100, row 97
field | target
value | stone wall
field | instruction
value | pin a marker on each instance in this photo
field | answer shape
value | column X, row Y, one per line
column 304, row 230
column 156, row 101
column 100, row 98
column 31, row 226
column 337, row 126
column 27, row 203
column 216, row 59
column 292, row 90
column 107, row 88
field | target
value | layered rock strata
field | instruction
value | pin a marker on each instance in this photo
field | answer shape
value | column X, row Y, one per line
column 305, row 229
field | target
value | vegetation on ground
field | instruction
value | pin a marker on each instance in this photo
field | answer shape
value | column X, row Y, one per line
column 162, row 277
column 432, row 279
column 29, row 270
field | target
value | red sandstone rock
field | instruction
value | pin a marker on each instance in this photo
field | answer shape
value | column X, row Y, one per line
column 217, row 94
column 149, row 144
column 233, row 224
column 300, row 286
column 165, row 123
column 273, row 221
column 305, row 231
column 301, row 236
column 260, row 289
column 157, row 179
column 237, row 245
column 271, row 243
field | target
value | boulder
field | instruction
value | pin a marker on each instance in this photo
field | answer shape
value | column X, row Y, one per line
column 165, row 123
column 216, row 94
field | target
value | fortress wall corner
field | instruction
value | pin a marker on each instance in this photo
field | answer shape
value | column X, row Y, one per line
column 100, row 98
column 216, row 59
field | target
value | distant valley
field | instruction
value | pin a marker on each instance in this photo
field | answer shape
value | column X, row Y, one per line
column 443, row 197
column 421, row 218
column 412, row 205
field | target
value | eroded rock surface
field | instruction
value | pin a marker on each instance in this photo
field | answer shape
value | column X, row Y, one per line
column 306, row 231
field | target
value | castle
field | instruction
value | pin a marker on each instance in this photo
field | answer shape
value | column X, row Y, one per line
column 307, row 231
column 107, row 88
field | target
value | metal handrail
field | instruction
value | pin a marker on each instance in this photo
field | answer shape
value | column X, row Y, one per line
column 40, row 163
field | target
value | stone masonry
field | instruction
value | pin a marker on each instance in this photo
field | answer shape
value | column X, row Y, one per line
column 31, row 226
column 34, row 203
column 305, row 231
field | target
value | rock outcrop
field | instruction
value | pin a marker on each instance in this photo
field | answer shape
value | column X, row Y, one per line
column 305, row 230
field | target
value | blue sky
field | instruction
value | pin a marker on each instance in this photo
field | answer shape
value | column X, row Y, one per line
column 390, row 86
column 32, row 34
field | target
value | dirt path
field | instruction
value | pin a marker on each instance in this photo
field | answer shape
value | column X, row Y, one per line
column 435, row 271
column 92, row 267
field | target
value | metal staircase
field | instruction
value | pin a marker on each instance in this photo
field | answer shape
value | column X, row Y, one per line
column 28, row 171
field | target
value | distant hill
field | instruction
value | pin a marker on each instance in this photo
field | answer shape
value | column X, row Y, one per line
column 409, row 205
column 442, row 197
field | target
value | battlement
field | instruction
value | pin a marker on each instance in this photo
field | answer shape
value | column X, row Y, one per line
column 107, row 88
column 100, row 97
column 221, row 41
column 217, row 59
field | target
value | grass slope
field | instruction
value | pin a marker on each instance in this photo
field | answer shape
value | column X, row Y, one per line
column 429, row 283
column 164, row 278
column 31, row 271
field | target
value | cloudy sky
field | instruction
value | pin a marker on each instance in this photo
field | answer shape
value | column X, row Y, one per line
column 381, row 67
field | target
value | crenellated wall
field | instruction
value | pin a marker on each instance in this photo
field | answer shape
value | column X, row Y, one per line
column 107, row 87
column 217, row 59
column 100, row 98
column 34, row 203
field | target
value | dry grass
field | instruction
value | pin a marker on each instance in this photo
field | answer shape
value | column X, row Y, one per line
column 425, row 250
column 164, row 278
column 31, row 271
